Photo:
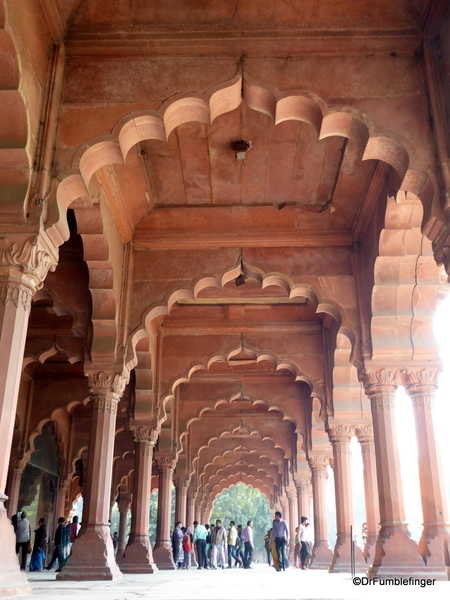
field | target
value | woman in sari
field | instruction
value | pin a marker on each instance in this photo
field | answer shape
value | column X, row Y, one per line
column 273, row 549
column 38, row 554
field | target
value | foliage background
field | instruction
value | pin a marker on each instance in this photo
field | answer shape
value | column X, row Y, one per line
column 240, row 504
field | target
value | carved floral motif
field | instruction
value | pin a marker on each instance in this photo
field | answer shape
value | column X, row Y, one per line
column 31, row 256
column 103, row 381
column 19, row 295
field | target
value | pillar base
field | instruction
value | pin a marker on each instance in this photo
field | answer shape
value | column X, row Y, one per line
column 369, row 547
column 341, row 562
column 12, row 581
column 396, row 554
column 322, row 555
column 163, row 557
column 138, row 556
column 434, row 548
column 92, row 557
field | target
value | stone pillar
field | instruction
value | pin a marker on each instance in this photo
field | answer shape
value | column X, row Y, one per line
column 138, row 555
column 61, row 501
column 322, row 555
column 181, row 487
column 302, row 484
column 24, row 264
column 92, row 553
column 190, row 510
column 14, row 490
column 434, row 544
column 396, row 554
column 123, row 516
column 198, row 511
column 293, row 512
column 340, row 438
column 163, row 548
column 365, row 438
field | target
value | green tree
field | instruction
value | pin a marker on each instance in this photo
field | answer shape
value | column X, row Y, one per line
column 243, row 503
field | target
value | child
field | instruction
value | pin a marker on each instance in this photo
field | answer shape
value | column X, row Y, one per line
column 187, row 549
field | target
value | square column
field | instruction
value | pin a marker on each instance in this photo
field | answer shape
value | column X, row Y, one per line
column 322, row 555
column 365, row 438
column 163, row 554
column 92, row 555
column 24, row 263
column 123, row 516
column 396, row 554
column 340, row 437
column 434, row 545
column 138, row 555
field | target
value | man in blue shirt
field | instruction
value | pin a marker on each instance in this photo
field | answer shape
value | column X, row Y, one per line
column 280, row 533
column 199, row 540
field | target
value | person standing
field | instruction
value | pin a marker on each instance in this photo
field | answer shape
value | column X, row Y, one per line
column 38, row 554
column 23, row 537
column 57, row 554
column 187, row 549
column 200, row 543
column 219, row 543
column 177, row 538
column 280, row 534
column 297, row 548
column 239, row 543
column 247, row 534
column 232, row 541
column 305, row 539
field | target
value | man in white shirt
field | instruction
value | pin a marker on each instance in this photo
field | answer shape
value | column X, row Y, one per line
column 305, row 539
column 248, row 545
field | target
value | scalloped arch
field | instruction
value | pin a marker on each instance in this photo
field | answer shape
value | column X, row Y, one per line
column 220, row 401
column 250, row 481
column 323, row 306
column 344, row 122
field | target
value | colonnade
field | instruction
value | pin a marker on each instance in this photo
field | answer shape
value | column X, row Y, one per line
column 93, row 556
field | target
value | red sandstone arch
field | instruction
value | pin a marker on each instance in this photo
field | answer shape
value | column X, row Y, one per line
column 259, row 356
column 14, row 161
column 406, row 287
column 308, row 108
column 214, row 404
column 225, row 484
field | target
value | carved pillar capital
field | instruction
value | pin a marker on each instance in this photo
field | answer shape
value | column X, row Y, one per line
column 24, row 264
column 341, row 433
column 421, row 385
column 182, row 482
column 145, row 435
column 381, row 384
column 166, row 464
column 106, row 389
column 302, row 481
column 318, row 462
column 291, row 494
column 192, row 494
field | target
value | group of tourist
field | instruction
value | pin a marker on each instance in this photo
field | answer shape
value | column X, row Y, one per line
column 65, row 535
column 211, row 543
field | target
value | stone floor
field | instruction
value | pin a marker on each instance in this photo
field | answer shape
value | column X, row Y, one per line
column 261, row 583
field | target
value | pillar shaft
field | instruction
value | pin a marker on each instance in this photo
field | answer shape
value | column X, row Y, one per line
column 138, row 556
column 92, row 553
column 340, row 437
column 322, row 552
column 181, row 487
column 190, row 509
column 123, row 516
column 163, row 548
column 395, row 553
column 18, row 283
column 370, row 491
column 302, row 485
column 14, row 491
column 293, row 513
column 435, row 536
